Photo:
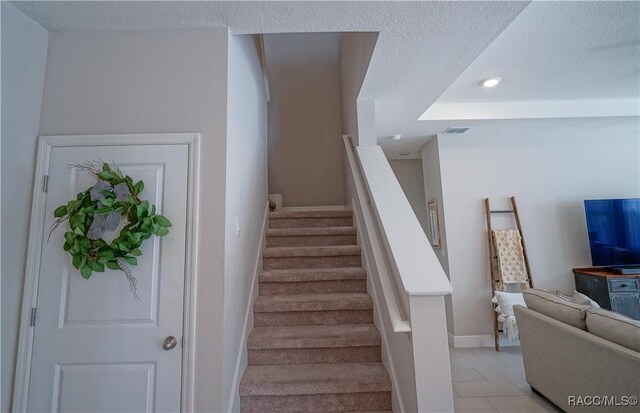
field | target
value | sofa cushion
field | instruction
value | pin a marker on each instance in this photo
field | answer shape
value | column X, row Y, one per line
column 552, row 306
column 614, row 327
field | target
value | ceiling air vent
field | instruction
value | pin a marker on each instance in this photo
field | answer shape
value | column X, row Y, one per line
column 456, row 130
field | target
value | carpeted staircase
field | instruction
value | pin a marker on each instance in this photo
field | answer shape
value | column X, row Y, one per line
column 313, row 347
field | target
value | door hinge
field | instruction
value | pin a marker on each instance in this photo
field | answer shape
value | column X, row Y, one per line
column 45, row 183
column 34, row 312
column 182, row 342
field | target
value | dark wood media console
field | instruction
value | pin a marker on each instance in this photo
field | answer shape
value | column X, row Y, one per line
column 615, row 292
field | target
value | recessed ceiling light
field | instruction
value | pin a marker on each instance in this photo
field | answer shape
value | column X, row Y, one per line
column 404, row 153
column 396, row 137
column 491, row 82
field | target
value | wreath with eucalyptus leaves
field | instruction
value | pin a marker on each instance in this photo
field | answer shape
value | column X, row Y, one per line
column 102, row 207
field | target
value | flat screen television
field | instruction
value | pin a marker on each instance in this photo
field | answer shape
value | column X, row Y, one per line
column 614, row 232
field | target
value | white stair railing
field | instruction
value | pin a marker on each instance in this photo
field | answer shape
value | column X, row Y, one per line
column 413, row 284
column 400, row 324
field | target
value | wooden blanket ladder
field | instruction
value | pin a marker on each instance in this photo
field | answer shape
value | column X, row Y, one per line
column 494, row 271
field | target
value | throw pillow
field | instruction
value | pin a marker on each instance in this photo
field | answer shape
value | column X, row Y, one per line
column 582, row 299
column 506, row 301
column 562, row 295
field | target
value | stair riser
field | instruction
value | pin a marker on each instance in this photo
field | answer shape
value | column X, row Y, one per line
column 341, row 402
column 279, row 263
column 314, row 287
column 302, row 318
column 311, row 241
column 314, row 355
column 311, row 222
column 314, row 274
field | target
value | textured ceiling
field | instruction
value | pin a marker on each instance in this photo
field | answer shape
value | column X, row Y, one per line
column 559, row 51
column 586, row 54
column 552, row 50
column 422, row 47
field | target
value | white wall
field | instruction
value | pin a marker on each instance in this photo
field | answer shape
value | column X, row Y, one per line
column 433, row 190
column 550, row 175
column 356, row 49
column 305, row 117
column 24, row 54
column 410, row 176
column 245, row 200
column 156, row 81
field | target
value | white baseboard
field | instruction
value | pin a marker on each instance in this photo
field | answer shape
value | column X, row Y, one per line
column 479, row 341
column 241, row 360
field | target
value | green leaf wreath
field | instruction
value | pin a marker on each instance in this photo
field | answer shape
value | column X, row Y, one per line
column 93, row 255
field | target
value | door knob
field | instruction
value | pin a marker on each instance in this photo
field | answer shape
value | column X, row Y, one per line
column 169, row 343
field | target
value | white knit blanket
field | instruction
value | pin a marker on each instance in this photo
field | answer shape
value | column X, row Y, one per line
column 510, row 258
column 509, row 327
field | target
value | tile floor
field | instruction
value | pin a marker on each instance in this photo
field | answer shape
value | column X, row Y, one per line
column 486, row 381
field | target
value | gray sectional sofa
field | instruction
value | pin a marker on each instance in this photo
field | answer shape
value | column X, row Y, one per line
column 581, row 359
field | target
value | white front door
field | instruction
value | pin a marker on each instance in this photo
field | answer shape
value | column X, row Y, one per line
column 95, row 348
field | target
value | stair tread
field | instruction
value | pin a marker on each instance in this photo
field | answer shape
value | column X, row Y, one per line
column 312, row 302
column 310, row 231
column 313, row 274
column 314, row 251
column 273, row 380
column 325, row 213
column 313, row 336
